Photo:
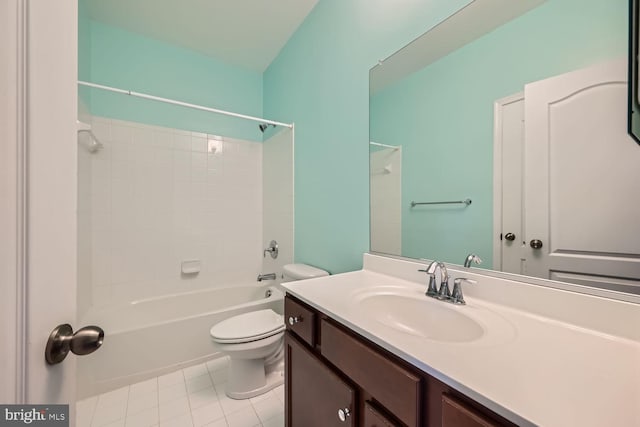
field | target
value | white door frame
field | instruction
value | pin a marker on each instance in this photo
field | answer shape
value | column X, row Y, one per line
column 38, row 186
column 13, row 196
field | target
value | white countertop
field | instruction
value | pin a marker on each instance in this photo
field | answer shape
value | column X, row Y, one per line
column 555, row 369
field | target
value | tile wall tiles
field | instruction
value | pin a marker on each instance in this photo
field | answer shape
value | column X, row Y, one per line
column 157, row 196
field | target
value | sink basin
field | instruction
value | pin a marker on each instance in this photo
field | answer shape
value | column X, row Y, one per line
column 410, row 312
column 435, row 320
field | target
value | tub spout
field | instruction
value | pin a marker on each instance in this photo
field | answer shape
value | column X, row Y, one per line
column 269, row 276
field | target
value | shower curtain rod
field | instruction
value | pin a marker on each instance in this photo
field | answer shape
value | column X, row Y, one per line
column 182, row 104
column 395, row 147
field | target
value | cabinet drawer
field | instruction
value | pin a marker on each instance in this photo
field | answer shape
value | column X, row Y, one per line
column 372, row 417
column 300, row 320
column 394, row 387
column 458, row 414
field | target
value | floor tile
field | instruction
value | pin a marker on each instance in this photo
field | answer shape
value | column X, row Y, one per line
column 279, row 392
column 143, row 387
column 244, row 418
column 171, row 392
column 195, row 371
column 232, row 405
column 268, row 408
column 207, row 414
column 170, row 379
column 220, row 423
column 219, row 376
column 277, row 421
column 142, row 402
column 84, row 411
column 261, row 397
column 182, row 399
column 180, row 421
column 174, row 409
column 146, row 418
column 113, row 397
column 202, row 397
column 218, row 364
column 108, row 414
column 198, row 383
column 118, row 423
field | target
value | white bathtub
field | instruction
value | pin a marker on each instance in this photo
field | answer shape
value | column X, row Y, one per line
column 147, row 338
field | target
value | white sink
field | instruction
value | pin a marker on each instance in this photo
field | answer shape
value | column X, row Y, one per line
column 411, row 312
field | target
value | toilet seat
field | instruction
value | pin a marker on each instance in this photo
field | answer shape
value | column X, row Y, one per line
column 247, row 327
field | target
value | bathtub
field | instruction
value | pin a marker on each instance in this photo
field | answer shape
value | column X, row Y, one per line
column 151, row 337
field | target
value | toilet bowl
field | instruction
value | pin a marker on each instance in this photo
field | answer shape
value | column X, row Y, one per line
column 254, row 342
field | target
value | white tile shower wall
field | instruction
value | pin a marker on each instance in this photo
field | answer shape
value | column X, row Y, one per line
column 160, row 196
column 386, row 200
column 277, row 177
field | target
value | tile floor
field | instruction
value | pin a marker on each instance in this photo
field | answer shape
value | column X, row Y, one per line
column 191, row 397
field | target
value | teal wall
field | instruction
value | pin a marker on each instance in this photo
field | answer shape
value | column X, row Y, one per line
column 443, row 117
column 320, row 81
column 130, row 61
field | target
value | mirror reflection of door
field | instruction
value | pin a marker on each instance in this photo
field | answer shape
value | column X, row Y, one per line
column 508, row 188
column 577, row 158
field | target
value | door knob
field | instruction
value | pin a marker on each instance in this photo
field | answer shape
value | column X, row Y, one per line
column 62, row 340
column 535, row 244
column 510, row 237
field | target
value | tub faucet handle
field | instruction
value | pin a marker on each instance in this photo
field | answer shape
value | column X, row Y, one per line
column 272, row 250
column 269, row 276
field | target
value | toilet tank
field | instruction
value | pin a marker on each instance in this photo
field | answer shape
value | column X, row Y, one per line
column 292, row 272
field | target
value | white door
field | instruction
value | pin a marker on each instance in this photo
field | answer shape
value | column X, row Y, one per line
column 41, row 56
column 582, row 179
column 508, row 244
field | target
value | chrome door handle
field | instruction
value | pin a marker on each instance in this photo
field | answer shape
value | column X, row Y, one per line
column 535, row 244
column 510, row 237
column 343, row 414
column 62, row 340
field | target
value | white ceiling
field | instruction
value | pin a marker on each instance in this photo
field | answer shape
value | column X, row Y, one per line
column 246, row 33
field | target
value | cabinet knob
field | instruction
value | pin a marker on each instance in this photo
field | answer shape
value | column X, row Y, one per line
column 510, row 237
column 293, row 320
column 343, row 414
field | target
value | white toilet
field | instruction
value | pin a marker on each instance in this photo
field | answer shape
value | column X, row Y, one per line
column 254, row 342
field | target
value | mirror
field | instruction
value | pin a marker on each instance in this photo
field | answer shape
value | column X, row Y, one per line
column 446, row 180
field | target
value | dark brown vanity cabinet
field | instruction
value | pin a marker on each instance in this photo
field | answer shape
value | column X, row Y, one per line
column 335, row 377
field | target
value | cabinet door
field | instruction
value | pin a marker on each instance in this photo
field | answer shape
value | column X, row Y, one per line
column 315, row 395
column 457, row 414
column 372, row 417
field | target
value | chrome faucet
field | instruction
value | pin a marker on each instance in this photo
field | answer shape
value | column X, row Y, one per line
column 269, row 276
column 472, row 258
column 443, row 292
column 456, row 295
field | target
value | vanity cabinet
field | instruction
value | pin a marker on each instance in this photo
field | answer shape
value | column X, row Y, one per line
column 335, row 377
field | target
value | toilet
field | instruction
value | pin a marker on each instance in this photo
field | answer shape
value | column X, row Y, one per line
column 254, row 342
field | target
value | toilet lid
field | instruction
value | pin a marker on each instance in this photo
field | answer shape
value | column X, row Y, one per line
column 248, row 326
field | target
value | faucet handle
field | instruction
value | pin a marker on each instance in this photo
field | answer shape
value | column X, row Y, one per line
column 431, row 289
column 456, row 295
